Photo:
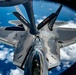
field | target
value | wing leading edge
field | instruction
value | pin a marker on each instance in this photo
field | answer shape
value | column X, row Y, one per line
column 66, row 33
column 10, row 37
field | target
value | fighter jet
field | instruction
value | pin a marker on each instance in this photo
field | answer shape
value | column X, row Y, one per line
column 37, row 48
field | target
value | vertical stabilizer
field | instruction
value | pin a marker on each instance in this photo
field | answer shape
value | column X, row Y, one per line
column 18, row 10
column 51, row 23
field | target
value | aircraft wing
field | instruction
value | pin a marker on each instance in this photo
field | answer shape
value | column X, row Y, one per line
column 22, row 50
column 66, row 34
column 10, row 37
column 52, row 52
column 62, row 35
column 20, row 40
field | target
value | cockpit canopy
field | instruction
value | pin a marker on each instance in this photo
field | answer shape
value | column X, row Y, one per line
column 36, row 65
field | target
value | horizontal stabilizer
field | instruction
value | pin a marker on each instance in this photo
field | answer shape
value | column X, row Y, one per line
column 45, row 21
column 22, row 19
column 15, row 22
column 6, row 42
column 15, row 28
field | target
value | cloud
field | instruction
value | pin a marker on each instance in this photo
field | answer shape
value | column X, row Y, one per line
column 66, row 64
column 9, row 57
column 71, row 24
column 3, row 54
column 9, row 13
column 35, row 16
column 58, row 68
column 39, row 20
column 44, row 17
column 16, row 72
column 50, row 73
column 1, row 46
column 0, row 73
column 68, row 53
column 6, row 54
column 68, row 56
column 64, row 55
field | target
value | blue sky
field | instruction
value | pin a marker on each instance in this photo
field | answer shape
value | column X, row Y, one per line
column 41, row 10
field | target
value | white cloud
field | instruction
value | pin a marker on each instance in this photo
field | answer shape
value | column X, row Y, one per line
column 64, row 55
column 6, row 53
column 3, row 54
column 68, row 53
column 71, row 24
column 35, row 16
column 66, row 64
column 0, row 73
column 39, row 20
column 8, row 13
column 58, row 68
column 16, row 72
column 50, row 72
column 1, row 46
column 44, row 17
column 9, row 57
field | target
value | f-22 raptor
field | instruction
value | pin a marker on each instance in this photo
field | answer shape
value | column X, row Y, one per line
column 37, row 48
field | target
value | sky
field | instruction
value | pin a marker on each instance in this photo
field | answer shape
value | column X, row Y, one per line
column 41, row 11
